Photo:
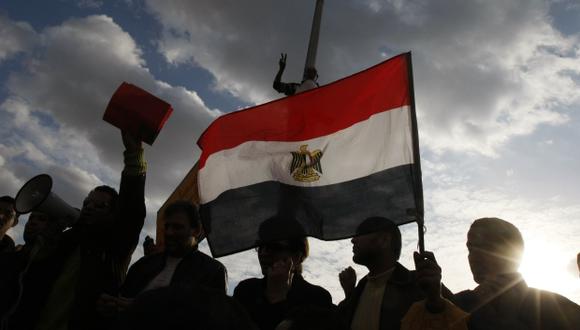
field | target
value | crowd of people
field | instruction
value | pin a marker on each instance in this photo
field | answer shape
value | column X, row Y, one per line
column 80, row 277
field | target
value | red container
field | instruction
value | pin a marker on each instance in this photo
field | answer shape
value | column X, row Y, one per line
column 137, row 112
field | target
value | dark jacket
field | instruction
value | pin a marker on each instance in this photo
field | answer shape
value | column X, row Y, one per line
column 251, row 295
column 25, row 282
column 519, row 307
column 11, row 265
column 401, row 292
column 105, row 255
column 193, row 307
column 196, row 268
column 6, row 244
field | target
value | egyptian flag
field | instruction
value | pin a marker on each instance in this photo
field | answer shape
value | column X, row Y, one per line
column 328, row 158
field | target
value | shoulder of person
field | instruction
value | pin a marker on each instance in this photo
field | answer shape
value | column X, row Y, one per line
column 465, row 299
column 148, row 259
column 206, row 259
column 464, row 294
column 311, row 286
column 361, row 283
column 446, row 293
column 248, row 286
column 551, row 301
column 250, row 283
column 315, row 291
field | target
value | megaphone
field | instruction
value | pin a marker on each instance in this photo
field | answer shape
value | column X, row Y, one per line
column 36, row 195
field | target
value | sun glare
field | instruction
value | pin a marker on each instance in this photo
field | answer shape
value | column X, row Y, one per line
column 547, row 266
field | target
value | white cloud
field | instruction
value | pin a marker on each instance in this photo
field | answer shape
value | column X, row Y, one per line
column 485, row 72
column 15, row 37
column 81, row 63
column 52, row 117
column 30, row 148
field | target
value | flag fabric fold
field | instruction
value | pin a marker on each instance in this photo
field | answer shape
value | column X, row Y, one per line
column 328, row 158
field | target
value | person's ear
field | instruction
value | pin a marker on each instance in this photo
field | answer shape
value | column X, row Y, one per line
column 197, row 232
column 385, row 240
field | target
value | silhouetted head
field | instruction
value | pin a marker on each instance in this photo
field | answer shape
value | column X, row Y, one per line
column 280, row 238
column 495, row 247
column 182, row 227
column 376, row 238
column 41, row 224
column 8, row 214
column 311, row 73
column 99, row 206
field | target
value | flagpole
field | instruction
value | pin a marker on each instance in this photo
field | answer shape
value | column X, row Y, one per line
column 418, row 182
column 313, row 43
column 421, row 232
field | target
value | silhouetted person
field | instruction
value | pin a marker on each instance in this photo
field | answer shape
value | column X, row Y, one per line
column 180, row 264
column 149, row 246
column 309, row 82
column 177, row 308
column 24, row 272
column 382, row 298
column 8, row 219
column 43, row 226
column 502, row 299
column 282, row 247
column 93, row 255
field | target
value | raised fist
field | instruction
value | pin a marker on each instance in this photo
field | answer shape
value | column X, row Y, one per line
column 282, row 61
column 347, row 280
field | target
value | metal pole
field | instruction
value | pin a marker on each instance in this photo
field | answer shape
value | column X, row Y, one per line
column 417, row 177
column 314, row 33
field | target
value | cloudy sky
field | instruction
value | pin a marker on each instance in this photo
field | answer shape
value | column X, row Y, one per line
column 497, row 87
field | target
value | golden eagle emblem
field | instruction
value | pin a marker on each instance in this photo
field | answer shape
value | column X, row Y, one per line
column 305, row 165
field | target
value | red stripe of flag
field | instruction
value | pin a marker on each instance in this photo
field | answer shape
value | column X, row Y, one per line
column 318, row 112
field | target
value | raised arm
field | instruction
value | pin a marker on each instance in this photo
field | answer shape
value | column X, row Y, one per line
column 131, row 213
column 278, row 85
column 278, row 78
